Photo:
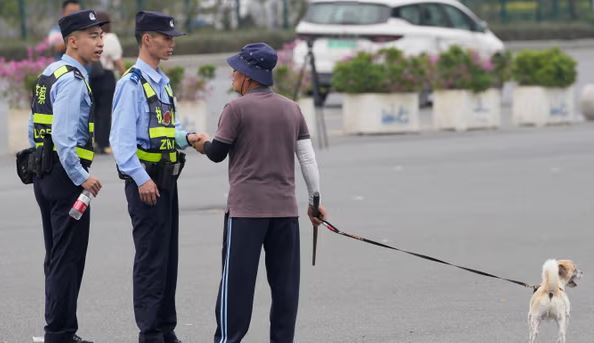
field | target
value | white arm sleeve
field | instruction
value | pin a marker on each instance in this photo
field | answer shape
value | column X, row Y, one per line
column 309, row 167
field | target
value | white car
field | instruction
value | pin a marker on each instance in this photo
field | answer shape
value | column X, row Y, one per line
column 339, row 29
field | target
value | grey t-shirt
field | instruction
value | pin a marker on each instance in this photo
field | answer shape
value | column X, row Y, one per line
column 263, row 129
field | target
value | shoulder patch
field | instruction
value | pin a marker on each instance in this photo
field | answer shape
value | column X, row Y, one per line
column 135, row 75
column 78, row 74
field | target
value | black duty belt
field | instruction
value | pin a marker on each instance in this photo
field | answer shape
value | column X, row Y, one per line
column 164, row 174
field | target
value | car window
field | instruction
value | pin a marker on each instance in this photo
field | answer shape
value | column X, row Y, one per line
column 432, row 15
column 344, row 13
column 458, row 18
column 411, row 13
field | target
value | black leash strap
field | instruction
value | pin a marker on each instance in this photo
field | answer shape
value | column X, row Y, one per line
column 363, row 239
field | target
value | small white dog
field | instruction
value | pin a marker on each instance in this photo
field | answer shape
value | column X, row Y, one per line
column 550, row 300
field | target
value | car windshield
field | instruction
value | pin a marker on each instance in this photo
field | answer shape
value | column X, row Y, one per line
column 346, row 13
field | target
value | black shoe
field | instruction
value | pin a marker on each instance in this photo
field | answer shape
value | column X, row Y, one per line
column 76, row 339
column 171, row 338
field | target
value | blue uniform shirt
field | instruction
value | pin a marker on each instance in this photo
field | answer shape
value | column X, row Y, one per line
column 70, row 126
column 130, row 120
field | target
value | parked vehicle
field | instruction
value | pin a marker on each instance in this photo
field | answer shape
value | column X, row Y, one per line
column 338, row 29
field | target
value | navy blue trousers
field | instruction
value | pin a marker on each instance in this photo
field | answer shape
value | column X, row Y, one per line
column 156, row 236
column 243, row 240
column 66, row 243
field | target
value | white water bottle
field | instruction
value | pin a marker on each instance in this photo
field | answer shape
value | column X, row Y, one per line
column 80, row 205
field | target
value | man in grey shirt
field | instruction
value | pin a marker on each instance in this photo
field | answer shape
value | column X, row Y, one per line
column 261, row 132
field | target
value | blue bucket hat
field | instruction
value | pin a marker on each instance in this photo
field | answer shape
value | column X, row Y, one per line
column 256, row 61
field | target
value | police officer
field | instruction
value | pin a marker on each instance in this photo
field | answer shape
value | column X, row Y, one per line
column 61, row 127
column 145, row 138
column 261, row 132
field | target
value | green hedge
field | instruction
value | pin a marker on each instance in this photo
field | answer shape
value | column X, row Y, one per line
column 205, row 42
column 546, row 68
column 543, row 31
column 209, row 42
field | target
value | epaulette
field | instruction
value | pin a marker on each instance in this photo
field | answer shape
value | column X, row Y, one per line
column 135, row 74
column 78, row 74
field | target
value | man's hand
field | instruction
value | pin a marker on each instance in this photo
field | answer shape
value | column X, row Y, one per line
column 92, row 185
column 199, row 143
column 316, row 221
column 149, row 193
column 192, row 138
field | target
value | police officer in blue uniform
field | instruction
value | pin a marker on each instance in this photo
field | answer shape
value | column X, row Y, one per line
column 61, row 129
column 145, row 138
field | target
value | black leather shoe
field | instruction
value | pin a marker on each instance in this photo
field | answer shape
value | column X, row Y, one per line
column 76, row 339
column 171, row 338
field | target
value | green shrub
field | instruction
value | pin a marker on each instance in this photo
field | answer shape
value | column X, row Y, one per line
column 546, row 68
column 404, row 74
column 285, row 80
column 388, row 71
column 458, row 68
column 207, row 71
column 128, row 64
column 502, row 66
column 175, row 75
column 360, row 75
column 210, row 42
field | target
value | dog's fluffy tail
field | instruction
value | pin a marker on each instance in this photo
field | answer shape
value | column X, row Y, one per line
column 550, row 276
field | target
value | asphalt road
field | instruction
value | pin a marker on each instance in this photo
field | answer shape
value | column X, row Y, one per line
column 501, row 201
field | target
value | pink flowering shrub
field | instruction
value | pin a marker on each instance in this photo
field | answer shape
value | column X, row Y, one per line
column 285, row 54
column 458, row 68
column 17, row 78
column 193, row 87
column 404, row 74
column 388, row 71
column 288, row 80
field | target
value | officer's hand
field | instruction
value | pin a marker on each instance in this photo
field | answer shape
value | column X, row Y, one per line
column 149, row 193
column 316, row 221
column 92, row 185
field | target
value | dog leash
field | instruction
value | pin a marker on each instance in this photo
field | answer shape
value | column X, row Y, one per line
column 334, row 229
column 316, row 213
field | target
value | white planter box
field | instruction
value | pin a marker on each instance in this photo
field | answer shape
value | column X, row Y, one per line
column 462, row 109
column 192, row 115
column 18, row 120
column 540, row 106
column 4, row 129
column 380, row 113
column 309, row 113
column 587, row 101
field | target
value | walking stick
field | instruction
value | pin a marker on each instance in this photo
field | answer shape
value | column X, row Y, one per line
column 316, row 214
